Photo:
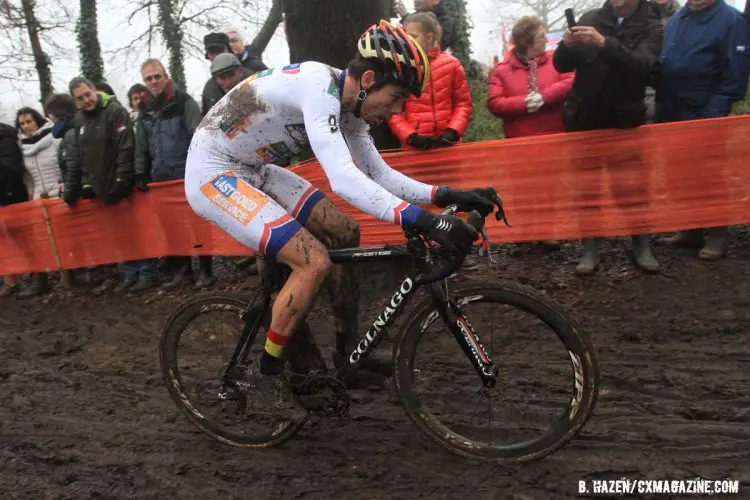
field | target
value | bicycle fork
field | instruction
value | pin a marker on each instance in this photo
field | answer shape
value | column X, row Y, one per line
column 464, row 334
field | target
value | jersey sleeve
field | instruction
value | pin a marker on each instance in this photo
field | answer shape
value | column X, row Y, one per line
column 369, row 161
column 321, row 109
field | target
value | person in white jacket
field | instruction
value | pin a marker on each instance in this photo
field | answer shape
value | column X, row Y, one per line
column 40, row 156
column 39, row 152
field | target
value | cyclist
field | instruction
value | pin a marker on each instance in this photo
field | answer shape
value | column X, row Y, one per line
column 232, row 178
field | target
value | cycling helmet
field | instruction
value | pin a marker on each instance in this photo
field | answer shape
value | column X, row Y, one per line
column 405, row 63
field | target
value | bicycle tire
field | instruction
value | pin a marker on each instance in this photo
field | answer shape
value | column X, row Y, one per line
column 171, row 333
column 531, row 301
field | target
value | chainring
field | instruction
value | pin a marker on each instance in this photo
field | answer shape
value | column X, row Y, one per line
column 324, row 396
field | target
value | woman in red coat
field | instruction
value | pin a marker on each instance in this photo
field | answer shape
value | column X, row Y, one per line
column 525, row 90
column 439, row 117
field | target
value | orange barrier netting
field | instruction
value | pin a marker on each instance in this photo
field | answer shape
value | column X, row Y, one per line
column 657, row 178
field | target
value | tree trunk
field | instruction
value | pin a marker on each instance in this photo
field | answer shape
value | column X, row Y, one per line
column 172, row 33
column 462, row 28
column 327, row 32
column 275, row 16
column 92, row 64
column 41, row 60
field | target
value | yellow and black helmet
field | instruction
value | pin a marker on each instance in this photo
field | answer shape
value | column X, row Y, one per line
column 405, row 63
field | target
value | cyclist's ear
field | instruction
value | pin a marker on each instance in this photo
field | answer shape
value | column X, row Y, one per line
column 368, row 79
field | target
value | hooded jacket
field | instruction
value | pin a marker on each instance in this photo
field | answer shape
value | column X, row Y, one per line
column 40, row 156
column 106, row 143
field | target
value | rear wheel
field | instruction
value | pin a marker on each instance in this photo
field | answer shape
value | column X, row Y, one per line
column 432, row 374
column 196, row 345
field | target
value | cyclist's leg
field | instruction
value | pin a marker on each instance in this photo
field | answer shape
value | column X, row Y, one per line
column 333, row 228
column 254, row 219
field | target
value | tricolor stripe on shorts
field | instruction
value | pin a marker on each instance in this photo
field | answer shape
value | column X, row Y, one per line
column 306, row 204
column 276, row 234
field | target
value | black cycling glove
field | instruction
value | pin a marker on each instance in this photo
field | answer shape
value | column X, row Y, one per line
column 476, row 199
column 451, row 232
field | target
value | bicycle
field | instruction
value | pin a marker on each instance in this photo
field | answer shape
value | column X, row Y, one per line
column 325, row 395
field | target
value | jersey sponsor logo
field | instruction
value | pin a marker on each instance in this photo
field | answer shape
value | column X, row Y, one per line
column 232, row 126
column 234, row 196
column 333, row 122
column 298, row 133
column 333, row 89
column 278, row 151
column 291, row 69
column 259, row 74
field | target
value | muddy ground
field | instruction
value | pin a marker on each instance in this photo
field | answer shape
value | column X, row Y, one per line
column 84, row 413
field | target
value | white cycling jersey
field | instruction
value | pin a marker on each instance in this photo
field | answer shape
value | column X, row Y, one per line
column 231, row 179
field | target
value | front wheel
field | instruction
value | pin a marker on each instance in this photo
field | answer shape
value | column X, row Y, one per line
column 552, row 376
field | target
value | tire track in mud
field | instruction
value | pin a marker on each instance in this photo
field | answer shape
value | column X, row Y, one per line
column 84, row 413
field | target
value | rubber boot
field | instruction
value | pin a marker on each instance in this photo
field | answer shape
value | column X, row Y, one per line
column 183, row 276
column 590, row 261
column 37, row 286
column 204, row 279
column 716, row 244
column 67, row 280
column 642, row 254
column 691, row 239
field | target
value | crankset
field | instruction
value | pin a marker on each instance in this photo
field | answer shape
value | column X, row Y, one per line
column 324, row 396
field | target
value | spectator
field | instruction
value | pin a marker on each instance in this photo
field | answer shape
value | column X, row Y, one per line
column 61, row 109
column 216, row 43
column 106, row 88
column 106, row 144
column 134, row 98
column 167, row 119
column 437, row 7
column 525, row 90
column 249, row 56
column 439, row 117
column 227, row 71
column 40, row 157
column 614, row 52
column 528, row 93
column 705, row 66
column 15, row 185
column 665, row 8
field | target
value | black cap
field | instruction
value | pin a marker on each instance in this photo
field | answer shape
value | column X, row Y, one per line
column 216, row 42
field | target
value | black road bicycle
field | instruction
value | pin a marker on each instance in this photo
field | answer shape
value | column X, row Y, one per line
column 228, row 388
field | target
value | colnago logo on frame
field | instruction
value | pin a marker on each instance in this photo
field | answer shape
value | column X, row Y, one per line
column 372, row 335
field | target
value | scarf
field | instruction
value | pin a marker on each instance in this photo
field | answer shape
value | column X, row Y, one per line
column 533, row 65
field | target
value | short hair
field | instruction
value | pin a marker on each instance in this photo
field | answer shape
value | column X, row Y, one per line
column 359, row 66
column 153, row 62
column 36, row 115
column 234, row 30
column 136, row 89
column 525, row 31
column 77, row 82
column 61, row 106
column 428, row 21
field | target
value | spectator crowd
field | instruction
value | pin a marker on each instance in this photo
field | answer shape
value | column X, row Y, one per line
column 623, row 65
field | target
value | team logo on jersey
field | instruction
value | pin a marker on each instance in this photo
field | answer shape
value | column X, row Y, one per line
column 276, row 152
column 234, row 196
column 298, row 133
column 259, row 74
column 233, row 126
column 292, row 69
column 333, row 89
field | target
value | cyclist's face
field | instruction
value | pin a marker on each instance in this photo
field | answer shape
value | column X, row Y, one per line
column 381, row 104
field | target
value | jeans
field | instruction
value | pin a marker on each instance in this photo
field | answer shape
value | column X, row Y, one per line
column 146, row 269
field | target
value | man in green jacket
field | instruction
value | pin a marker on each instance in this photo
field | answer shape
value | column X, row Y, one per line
column 105, row 142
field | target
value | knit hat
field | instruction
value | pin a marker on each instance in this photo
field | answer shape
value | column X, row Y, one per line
column 215, row 42
column 224, row 63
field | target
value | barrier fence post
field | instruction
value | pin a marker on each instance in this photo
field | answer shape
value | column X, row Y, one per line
column 52, row 241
